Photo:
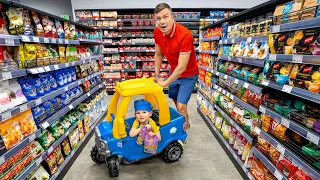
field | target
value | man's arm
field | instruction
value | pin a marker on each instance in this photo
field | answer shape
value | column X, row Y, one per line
column 157, row 61
column 182, row 66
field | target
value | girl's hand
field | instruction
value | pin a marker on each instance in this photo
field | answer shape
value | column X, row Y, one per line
column 151, row 134
column 148, row 127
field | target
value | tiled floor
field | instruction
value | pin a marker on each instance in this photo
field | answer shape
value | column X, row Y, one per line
column 204, row 160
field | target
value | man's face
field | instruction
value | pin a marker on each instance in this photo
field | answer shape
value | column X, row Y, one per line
column 164, row 20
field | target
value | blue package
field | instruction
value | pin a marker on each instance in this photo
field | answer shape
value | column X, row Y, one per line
column 65, row 77
column 29, row 90
column 65, row 98
column 38, row 113
column 71, row 94
column 76, row 91
column 68, row 73
column 48, row 107
column 52, row 81
column 73, row 74
column 59, row 78
column 39, row 86
column 56, row 103
column 45, row 82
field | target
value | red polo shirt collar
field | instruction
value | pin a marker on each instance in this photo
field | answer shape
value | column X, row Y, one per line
column 172, row 31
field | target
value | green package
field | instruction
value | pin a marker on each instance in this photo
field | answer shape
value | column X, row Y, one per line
column 46, row 139
column 56, row 129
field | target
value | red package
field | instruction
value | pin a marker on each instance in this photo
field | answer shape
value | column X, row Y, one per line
column 139, row 75
column 152, row 74
column 145, row 74
column 163, row 66
column 287, row 167
column 151, row 65
column 145, row 65
column 300, row 175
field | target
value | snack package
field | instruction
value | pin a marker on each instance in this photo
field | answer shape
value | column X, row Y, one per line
column 74, row 138
column 36, row 149
column 66, row 149
column 26, row 122
column 277, row 71
column 28, row 31
column 16, row 20
column 51, row 163
column 287, row 167
column 86, row 124
column 67, row 31
column 72, row 31
column 10, row 132
column 30, row 51
column 62, row 54
column 49, row 28
column 300, row 175
column 258, row 169
column 305, row 76
column 56, row 129
column 60, row 29
column 58, row 155
column 46, row 139
column 81, row 130
column 39, row 174
column 246, row 151
column 39, row 28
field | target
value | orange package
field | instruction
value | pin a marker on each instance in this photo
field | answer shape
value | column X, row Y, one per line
column 26, row 123
column 10, row 133
column 258, row 170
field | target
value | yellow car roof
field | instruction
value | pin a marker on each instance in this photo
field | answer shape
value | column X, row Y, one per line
column 138, row 86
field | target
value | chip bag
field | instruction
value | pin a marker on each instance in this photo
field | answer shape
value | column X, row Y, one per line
column 16, row 20
column 39, row 28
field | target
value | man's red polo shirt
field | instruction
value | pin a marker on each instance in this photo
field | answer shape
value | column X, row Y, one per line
column 180, row 40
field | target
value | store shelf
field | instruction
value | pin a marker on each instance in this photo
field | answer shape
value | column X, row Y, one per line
column 291, row 124
column 63, row 65
column 303, row 24
column 115, row 52
column 9, row 40
column 12, row 74
column 47, row 122
column 14, row 111
column 4, row 157
column 272, row 168
column 216, row 38
column 136, row 50
column 302, row 93
column 295, row 159
column 97, row 19
column 247, row 85
column 194, row 35
column 234, row 124
column 244, row 60
column 105, row 28
column 111, row 37
column 247, row 39
column 208, row 52
column 137, row 27
column 75, row 151
column 133, row 43
column 192, row 28
column 187, row 20
column 62, row 90
column 36, row 39
column 135, row 35
column 89, row 41
column 129, row 20
column 226, row 144
column 237, row 100
column 295, row 58
column 134, row 70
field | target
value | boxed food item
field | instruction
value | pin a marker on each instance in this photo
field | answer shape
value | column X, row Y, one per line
column 310, row 9
column 305, row 76
column 288, row 12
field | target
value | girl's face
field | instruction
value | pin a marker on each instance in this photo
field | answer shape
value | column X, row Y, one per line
column 143, row 116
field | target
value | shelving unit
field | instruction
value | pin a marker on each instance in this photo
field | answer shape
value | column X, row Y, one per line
column 70, row 82
column 212, row 74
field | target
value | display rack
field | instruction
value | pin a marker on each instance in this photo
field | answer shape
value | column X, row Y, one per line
column 76, row 89
column 216, row 80
column 123, row 29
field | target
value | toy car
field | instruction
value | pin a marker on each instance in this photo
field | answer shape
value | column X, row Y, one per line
column 111, row 136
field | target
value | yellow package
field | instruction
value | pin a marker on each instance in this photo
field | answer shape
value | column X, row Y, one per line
column 62, row 55
column 10, row 133
column 246, row 150
column 19, row 55
column 68, row 54
column 81, row 130
column 30, row 55
column 16, row 20
column 86, row 124
column 26, row 123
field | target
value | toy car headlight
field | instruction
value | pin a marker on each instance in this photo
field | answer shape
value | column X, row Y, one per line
column 102, row 145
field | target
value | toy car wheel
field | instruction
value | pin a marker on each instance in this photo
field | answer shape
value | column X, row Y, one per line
column 96, row 157
column 113, row 166
column 172, row 153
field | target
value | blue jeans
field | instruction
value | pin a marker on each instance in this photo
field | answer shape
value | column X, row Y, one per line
column 181, row 89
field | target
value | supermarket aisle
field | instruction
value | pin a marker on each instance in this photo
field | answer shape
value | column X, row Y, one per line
column 204, row 159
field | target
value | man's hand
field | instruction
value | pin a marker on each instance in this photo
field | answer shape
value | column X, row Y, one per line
column 156, row 78
column 162, row 83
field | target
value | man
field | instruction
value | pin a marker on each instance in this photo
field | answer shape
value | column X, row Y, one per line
column 176, row 43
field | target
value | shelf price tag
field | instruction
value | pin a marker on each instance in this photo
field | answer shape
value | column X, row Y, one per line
column 211, row 71
column 88, row 94
column 41, row 70
column 66, row 88
column 281, row 149
column 285, row 122
column 265, row 82
column 272, row 57
column 217, row 73
column 249, row 39
column 2, row 160
column 79, row 82
column 60, row 41
column 287, row 88
column 225, row 77
column 313, row 138
column 225, row 41
column 50, row 149
column 220, row 41
column 47, row 68
column 53, row 40
column 278, row 174
column 66, row 41
column 70, row 106
column 56, row 67
column 25, row 38
column 224, row 92
column 246, row 85
column 33, row 71
column 232, row 41
column 6, row 75
column 240, row 60
column 262, row 109
column 257, row 130
column 9, row 42
column 23, row 108
column 38, row 101
column 6, row 115
column 36, row 39
column 46, row 40
column 276, row 29
column 45, row 125
column 297, row 58
column 228, row 94
column 236, row 81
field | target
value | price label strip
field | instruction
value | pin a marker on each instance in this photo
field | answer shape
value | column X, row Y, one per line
column 262, row 109
column 6, row 75
column 285, row 122
column 272, row 57
column 9, row 42
column 313, row 138
column 297, row 58
column 6, row 115
column 45, row 125
column 287, row 88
